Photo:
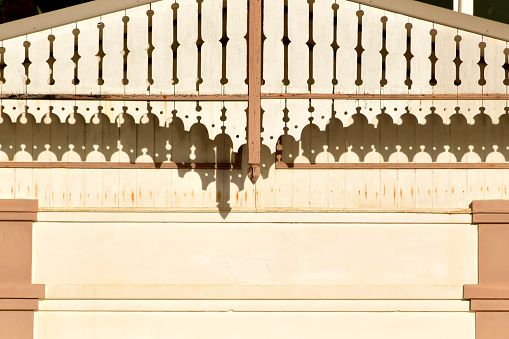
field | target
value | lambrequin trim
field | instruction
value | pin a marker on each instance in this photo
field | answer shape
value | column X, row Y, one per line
column 410, row 8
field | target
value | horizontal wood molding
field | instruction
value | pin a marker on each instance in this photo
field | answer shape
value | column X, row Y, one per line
column 19, row 298
column 330, row 96
column 409, row 165
column 245, row 97
column 118, row 165
column 126, row 97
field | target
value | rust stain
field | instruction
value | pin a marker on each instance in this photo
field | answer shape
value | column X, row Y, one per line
column 218, row 195
column 429, row 192
column 132, row 196
column 487, row 189
column 395, row 193
column 81, row 196
column 237, row 196
column 106, row 195
column 123, row 195
column 452, row 190
column 36, row 190
column 384, row 189
column 412, row 191
column 436, row 190
column 245, row 196
column 505, row 189
column 150, row 195
column 401, row 192
column 192, row 193
column 115, row 198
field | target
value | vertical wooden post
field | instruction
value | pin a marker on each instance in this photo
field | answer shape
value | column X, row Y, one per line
column 254, row 120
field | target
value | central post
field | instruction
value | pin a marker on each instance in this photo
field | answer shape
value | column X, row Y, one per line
column 254, row 119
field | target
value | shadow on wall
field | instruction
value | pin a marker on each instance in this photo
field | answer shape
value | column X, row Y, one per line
column 434, row 141
column 125, row 141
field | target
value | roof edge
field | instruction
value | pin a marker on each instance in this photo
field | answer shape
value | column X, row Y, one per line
column 442, row 16
column 410, row 8
column 66, row 16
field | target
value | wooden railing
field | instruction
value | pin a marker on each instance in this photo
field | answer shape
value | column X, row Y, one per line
column 299, row 63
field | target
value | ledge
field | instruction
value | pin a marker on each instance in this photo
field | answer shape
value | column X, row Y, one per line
column 19, row 304
column 22, row 291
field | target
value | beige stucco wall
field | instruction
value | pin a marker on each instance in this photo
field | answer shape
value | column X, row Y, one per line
column 298, row 275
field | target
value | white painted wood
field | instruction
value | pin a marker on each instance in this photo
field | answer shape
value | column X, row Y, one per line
column 210, row 115
column 77, row 152
column 494, row 72
column 371, row 57
column 187, row 53
column 347, row 40
column 94, row 152
column 265, row 192
column 41, row 138
column 396, row 61
column 299, row 116
column 64, row 66
column 469, row 70
column 128, row 195
column 273, row 57
column 137, row 43
column 24, row 147
column 298, row 52
column 211, row 53
column 272, row 122
column 345, row 110
column 354, row 183
column 145, row 153
column 39, row 69
column 14, row 72
column 319, row 179
column 236, row 122
column 162, row 56
column 421, row 51
column 110, row 186
column 88, row 66
column 323, row 22
column 236, row 49
column 445, row 52
column 113, row 60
